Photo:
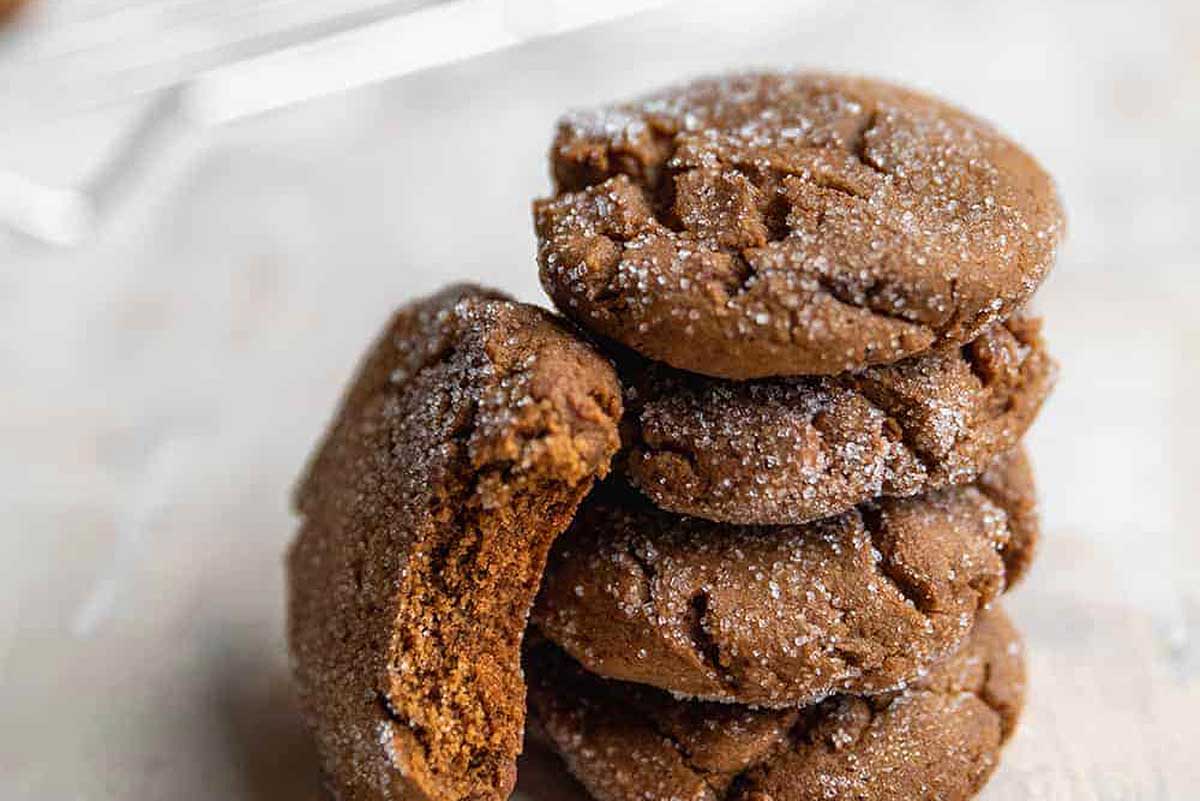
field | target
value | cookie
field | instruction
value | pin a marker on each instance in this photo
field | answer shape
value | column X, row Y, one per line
column 791, row 224
column 798, row 449
column 1008, row 483
column 462, row 448
column 9, row 8
column 938, row 739
column 778, row 616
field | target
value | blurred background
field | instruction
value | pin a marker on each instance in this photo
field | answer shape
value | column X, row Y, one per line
column 187, row 276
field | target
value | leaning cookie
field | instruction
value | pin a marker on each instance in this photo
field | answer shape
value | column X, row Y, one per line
column 471, row 432
column 791, row 224
column 794, row 450
column 779, row 616
column 938, row 739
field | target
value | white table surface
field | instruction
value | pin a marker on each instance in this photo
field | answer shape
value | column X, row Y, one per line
column 163, row 385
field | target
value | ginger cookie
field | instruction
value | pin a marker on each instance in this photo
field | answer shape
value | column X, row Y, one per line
column 797, row 449
column 779, row 616
column 9, row 9
column 462, row 448
column 791, row 224
column 939, row 738
column 1009, row 484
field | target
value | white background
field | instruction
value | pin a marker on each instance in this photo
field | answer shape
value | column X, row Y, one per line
column 162, row 385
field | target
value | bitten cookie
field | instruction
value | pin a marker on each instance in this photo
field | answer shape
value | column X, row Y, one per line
column 791, row 224
column 471, row 432
column 939, row 739
column 794, row 450
column 779, row 616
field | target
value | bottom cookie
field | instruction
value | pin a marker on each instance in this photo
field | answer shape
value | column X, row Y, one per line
column 940, row 738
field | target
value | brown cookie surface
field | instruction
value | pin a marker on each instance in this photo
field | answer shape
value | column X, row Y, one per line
column 1008, row 482
column 469, row 435
column 9, row 8
column 794, row 450
column 779, row 616
column 938, row 739
column 791, row 224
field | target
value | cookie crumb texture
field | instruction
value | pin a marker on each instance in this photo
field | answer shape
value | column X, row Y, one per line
column 781, row 616
column 471, row 432
column 938, row 739
column 794, row 450
column 791, row 224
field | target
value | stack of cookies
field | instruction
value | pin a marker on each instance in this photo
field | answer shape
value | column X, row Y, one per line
column 813, row 288
column 756, row 493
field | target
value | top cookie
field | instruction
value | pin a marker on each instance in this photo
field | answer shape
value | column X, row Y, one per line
column 469, row 436
column 773, row 225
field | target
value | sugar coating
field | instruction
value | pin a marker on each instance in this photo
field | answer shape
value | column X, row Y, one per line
column 794, row 450
column 780, row 616
column 939, row 738
column 472, row 430
column 791, row 224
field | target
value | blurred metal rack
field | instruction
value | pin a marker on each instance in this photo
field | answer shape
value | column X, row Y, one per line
column 193, row 64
